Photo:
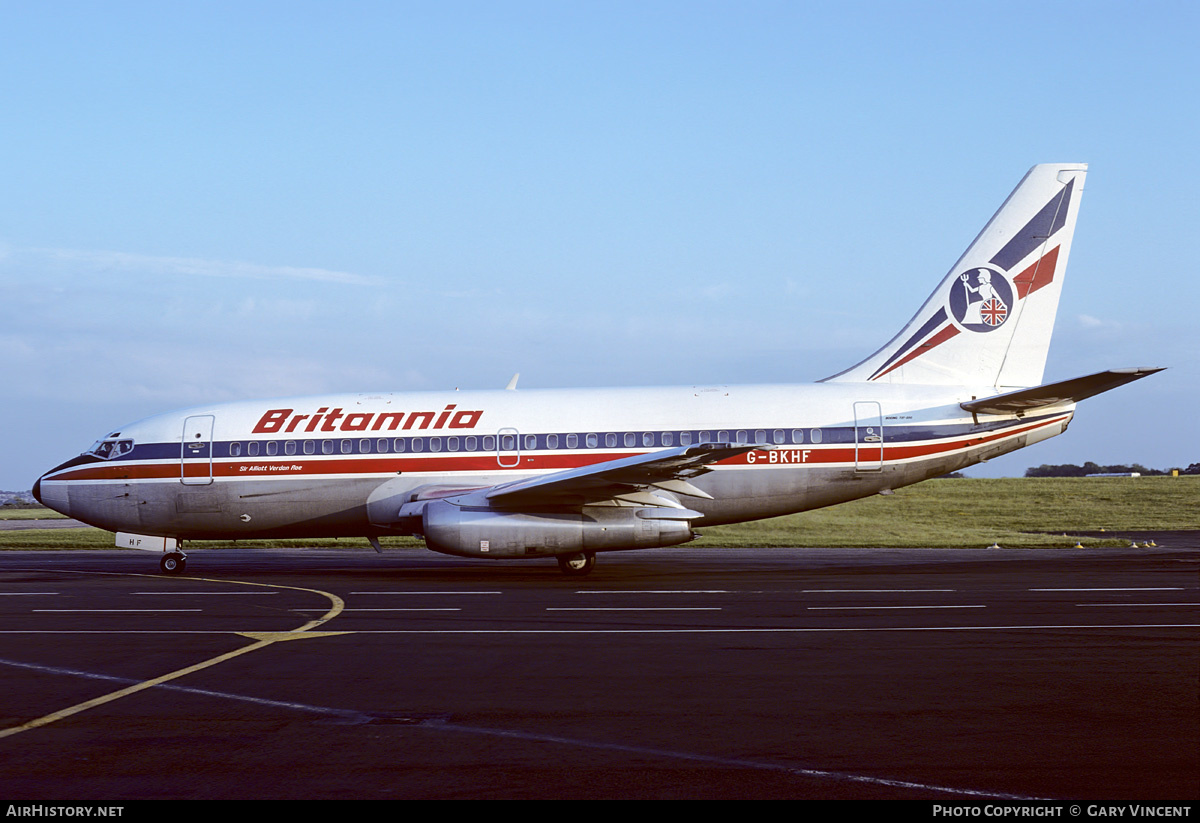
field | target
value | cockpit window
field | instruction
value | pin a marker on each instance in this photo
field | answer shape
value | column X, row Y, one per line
column 110, row 447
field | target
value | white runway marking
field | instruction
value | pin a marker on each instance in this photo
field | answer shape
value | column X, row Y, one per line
column 702, row 630
column 872, row 591
column 189, row 594
column 634, row 609
column 859, row 608
column 1126, row 589
column 1148, row 605
column 432, row 609
column 408, row 593
column 652, row 591
column 352, row 716
column 115, row 611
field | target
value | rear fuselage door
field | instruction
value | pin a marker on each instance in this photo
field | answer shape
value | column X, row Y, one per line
column 196, row 451
column 868, row 436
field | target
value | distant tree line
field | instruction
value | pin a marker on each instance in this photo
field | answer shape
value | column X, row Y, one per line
column 1071, row 470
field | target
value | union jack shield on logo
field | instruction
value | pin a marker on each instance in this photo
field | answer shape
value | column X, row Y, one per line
column 993, row 312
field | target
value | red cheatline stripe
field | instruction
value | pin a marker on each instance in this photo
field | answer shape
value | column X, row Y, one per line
column 486, row 463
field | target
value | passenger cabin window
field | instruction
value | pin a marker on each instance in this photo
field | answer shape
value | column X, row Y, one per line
column 253, row 447
column 668, row 439
column 235, row 449
column 572, row 441
column 272, row 447
column 593, row 440
column 816, row 435
column 552, row 441
column 310, row 446
column 610, row 440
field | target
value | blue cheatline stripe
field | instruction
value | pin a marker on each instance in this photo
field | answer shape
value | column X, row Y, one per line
column 1046, row 222
column 832, row 436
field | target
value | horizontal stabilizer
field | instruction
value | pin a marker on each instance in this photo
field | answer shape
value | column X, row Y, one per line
column 1067, row 391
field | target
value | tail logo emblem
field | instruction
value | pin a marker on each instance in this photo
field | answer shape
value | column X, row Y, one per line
column 980, row 299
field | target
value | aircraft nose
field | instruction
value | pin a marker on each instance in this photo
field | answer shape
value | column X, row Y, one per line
column 53, row 495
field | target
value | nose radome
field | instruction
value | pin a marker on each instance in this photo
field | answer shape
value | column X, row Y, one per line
column 52, row 495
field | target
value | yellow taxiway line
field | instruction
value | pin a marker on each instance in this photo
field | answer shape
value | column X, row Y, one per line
column 261, row 641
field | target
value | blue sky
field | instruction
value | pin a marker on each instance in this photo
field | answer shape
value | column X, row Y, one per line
column 235, row 200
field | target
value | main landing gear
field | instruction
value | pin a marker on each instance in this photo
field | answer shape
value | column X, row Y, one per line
column 577, row 565
column 173, row 562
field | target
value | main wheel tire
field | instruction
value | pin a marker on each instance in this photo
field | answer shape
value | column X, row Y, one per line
column 577, row 565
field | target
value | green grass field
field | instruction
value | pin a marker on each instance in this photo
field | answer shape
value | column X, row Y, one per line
column 1017, row 513
column 38, row 513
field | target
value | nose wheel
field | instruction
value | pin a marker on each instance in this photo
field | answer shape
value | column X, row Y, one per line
column 173, row 563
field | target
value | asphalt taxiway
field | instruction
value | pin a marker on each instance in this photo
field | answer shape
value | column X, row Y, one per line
column 667, row 673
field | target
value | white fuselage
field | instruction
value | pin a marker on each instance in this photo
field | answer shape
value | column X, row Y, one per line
column 335, row 465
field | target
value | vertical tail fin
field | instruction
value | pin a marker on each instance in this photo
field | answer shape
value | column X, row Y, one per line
column 989, row 321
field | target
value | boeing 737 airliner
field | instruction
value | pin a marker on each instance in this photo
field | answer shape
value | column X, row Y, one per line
column 569, row 473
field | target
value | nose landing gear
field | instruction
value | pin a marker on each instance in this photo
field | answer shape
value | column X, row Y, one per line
column 173, row 562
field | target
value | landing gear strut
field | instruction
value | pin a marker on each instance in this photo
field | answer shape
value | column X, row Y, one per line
column 577, row 565
column 173, row 563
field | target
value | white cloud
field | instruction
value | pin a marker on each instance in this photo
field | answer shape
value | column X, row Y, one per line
column 109, row 261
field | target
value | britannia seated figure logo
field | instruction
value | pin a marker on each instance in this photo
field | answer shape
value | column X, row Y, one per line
column 981, row 299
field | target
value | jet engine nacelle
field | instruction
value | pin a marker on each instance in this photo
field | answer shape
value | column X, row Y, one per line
column 485, row 532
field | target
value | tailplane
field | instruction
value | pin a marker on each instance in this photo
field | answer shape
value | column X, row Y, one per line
column 988, row 323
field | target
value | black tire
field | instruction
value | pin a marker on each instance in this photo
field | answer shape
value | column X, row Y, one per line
column 577, row 565
column 172, row 563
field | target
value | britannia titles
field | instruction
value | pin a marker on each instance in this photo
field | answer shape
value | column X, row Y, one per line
column 327, row 420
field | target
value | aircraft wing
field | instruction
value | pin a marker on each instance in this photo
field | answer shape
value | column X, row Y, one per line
column 668, row 469
column 1066, row 391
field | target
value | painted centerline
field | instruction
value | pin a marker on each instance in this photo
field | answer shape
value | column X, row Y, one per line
column 846, row 608
column 634, row 609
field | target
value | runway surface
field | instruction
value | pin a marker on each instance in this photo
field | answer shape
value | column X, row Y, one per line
column 670, row 673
